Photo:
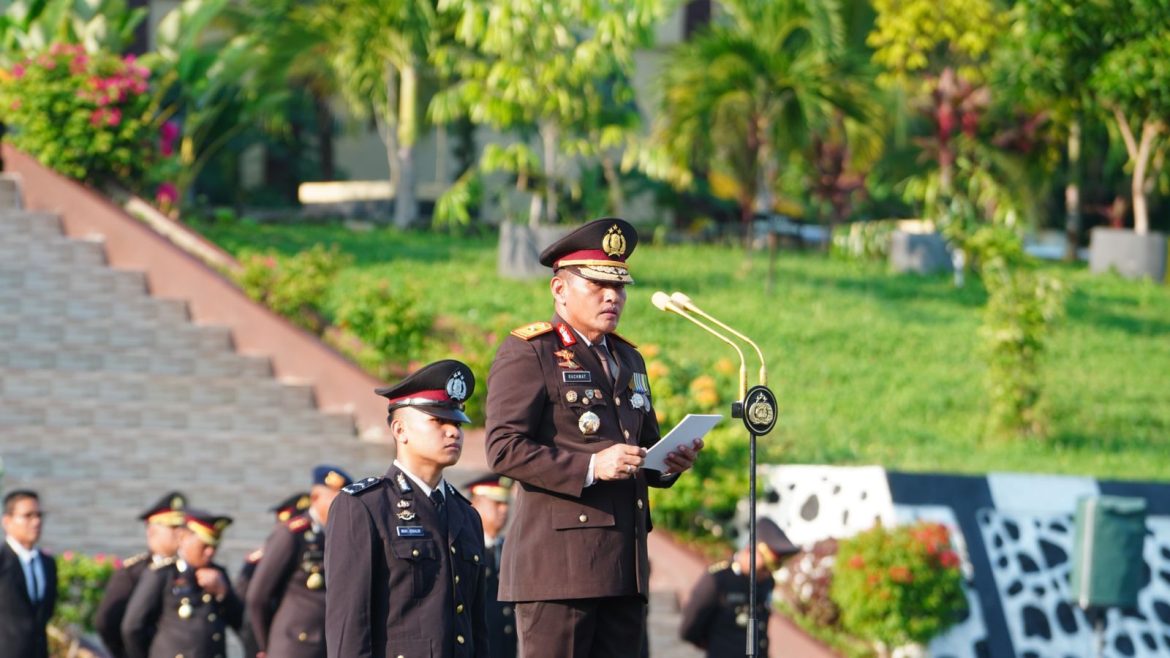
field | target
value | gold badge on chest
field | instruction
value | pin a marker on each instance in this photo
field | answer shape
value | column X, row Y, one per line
column 315, row 580
column 589, row 423
column 185, row 609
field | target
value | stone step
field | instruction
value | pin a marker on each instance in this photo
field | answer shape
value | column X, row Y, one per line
column 70, row 280
column 10, row 200
column 27, row 222
column 124, row 387
column 36, row 251
column 66, row 307
column 89, row 359
column 96, row 332
column 55, row 413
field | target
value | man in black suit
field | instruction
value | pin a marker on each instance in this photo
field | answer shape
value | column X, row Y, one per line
column 28, row 579
column 163, row 520
column 404, row 560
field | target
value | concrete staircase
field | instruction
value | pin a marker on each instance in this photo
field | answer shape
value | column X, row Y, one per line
column 110, row 397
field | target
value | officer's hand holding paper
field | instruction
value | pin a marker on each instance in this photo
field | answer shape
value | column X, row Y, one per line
column 692, row 428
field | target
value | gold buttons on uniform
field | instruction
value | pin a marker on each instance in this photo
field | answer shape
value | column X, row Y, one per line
column 302, row 636
column 640, row 504
column 207, row 598
column 211, row 617
column 459, row 639
column 452, row 549
column 456, row 579
column 617, row 401
column 583, row 518
column 507, row 610
column 459, row 608
column 627, row 433
column 475, row 558
column 217, row 637
column 414, row 553
column 508, row 629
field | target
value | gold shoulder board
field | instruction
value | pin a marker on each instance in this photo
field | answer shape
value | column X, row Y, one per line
column 719, row 566
column 530, row 331
column 162, row 564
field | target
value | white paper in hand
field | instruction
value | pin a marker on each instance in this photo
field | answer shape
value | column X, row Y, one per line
column 694, row 426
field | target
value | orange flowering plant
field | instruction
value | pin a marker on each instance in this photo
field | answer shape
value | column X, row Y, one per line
column 81, row 580
column 898, row 585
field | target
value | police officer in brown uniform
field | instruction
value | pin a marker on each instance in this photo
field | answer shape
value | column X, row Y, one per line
column 284, row 510
column 292, row 571
column 491, row 496
column 716, row 615
column 404, row 552
column 569, row 416
column 162, row 519
column 184, row 606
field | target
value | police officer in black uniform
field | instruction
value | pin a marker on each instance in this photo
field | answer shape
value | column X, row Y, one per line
column 404, row 552
column 491, row 496
column 185, row 606
column 162, row 520
column 284, row 510
column 717, row 613
column 292, row 572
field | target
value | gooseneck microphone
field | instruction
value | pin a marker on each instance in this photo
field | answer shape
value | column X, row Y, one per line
column 685, row 302
column 664, row 302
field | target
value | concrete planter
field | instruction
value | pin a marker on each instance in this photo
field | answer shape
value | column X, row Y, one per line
column 518, row 256
column 919, row 253
column 1130, row 254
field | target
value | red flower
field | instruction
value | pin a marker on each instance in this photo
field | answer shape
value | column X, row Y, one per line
column 901, row 574
column 167, row 194
column 857, row 562
column 948, row 559
column 114, row 117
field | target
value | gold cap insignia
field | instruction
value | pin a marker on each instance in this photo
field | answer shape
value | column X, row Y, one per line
column 614, row 243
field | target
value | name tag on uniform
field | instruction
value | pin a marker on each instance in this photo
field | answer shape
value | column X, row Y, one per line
column 411, row 531
column 576, row 376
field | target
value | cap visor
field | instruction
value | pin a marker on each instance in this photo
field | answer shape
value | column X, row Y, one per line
column 605, row 274
column 446, row 413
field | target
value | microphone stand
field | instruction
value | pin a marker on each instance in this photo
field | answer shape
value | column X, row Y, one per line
column 758, row 409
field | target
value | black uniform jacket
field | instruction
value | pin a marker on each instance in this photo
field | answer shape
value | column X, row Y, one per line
column 111, row 609
column 717, row 613
column 170, row 615
column 566, row 540
column 22, row 624
column 501, row 616
column 397, row 584
column 292, row 572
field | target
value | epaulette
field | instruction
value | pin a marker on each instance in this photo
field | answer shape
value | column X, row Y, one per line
column 360, row 486
column 530, row 331
column 299, row 523
column 625, row 340
column 719, row 566
column 134, row 559
column 163, row 563
column 254, row 556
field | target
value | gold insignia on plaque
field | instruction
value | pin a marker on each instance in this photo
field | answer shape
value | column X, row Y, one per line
column 185, row 609
column 570, row 396
column 566, row 359
column 760, row 412
column 315, row 581
column 614, row 243
column 406, row 515
column 589, row 423
column 403, row 503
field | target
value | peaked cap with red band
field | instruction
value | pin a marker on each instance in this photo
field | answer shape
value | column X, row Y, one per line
column 439, row 389
column 294, row 504
column 167, row 510
column 597, row 251
column 208, row 527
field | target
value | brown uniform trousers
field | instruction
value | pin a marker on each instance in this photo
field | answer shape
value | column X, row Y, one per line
column 295, row 627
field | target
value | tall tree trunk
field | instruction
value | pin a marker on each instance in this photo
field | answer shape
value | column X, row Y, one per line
column 1072, row 192
column 405, row 200
column 549, row 136
column 1139, row 153
column 387, row 122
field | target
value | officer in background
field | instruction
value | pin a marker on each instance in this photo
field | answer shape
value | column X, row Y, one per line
column 404, row 557
column 491, row 496
column 184, row 606
column 716, row 615
column 292, row 573
column 284, row 510
column 163, row 520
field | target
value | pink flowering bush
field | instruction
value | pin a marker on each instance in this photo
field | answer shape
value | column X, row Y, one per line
column 86, row 115
column 81, row 580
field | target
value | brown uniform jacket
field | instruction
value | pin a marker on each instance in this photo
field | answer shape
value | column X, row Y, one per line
column 108, row 618
column 396, row 583
column 291, row 572
column 566, row 540
column 170, row 615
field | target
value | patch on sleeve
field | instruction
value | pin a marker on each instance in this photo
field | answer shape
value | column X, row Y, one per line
column 360, row 486
column 530, row 331
column 299, row 523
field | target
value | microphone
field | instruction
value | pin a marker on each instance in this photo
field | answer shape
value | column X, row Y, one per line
column 664, row 303
column 685, row 302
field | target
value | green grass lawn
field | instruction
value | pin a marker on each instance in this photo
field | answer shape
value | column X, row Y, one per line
column 869, row 367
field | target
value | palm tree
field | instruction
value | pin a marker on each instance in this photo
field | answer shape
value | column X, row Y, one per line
column 751, row 89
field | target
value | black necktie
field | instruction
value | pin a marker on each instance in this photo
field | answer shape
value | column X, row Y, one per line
column 36, row 585
column 440, row 507
column 607, row 363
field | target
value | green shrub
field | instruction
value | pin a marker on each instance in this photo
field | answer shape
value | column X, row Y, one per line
column 85, row 115
column 803, row 584
column 387, row 319
column 863, row 240
column 81, row 581
column 293, row 286
column 896, row 586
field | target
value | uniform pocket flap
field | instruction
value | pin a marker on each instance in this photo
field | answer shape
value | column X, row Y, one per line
column 414, row 550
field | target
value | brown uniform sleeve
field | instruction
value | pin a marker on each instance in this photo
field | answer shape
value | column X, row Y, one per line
column 349, row 540
column 519, row 438
column 268, row 582
column 112, row 608
column 142, row 612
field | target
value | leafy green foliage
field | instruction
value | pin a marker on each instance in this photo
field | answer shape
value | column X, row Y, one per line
column 387, row 318
column 293, row 286
column 81, row 581
column 916, row 37
column 899, row 585
column 86, row 115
